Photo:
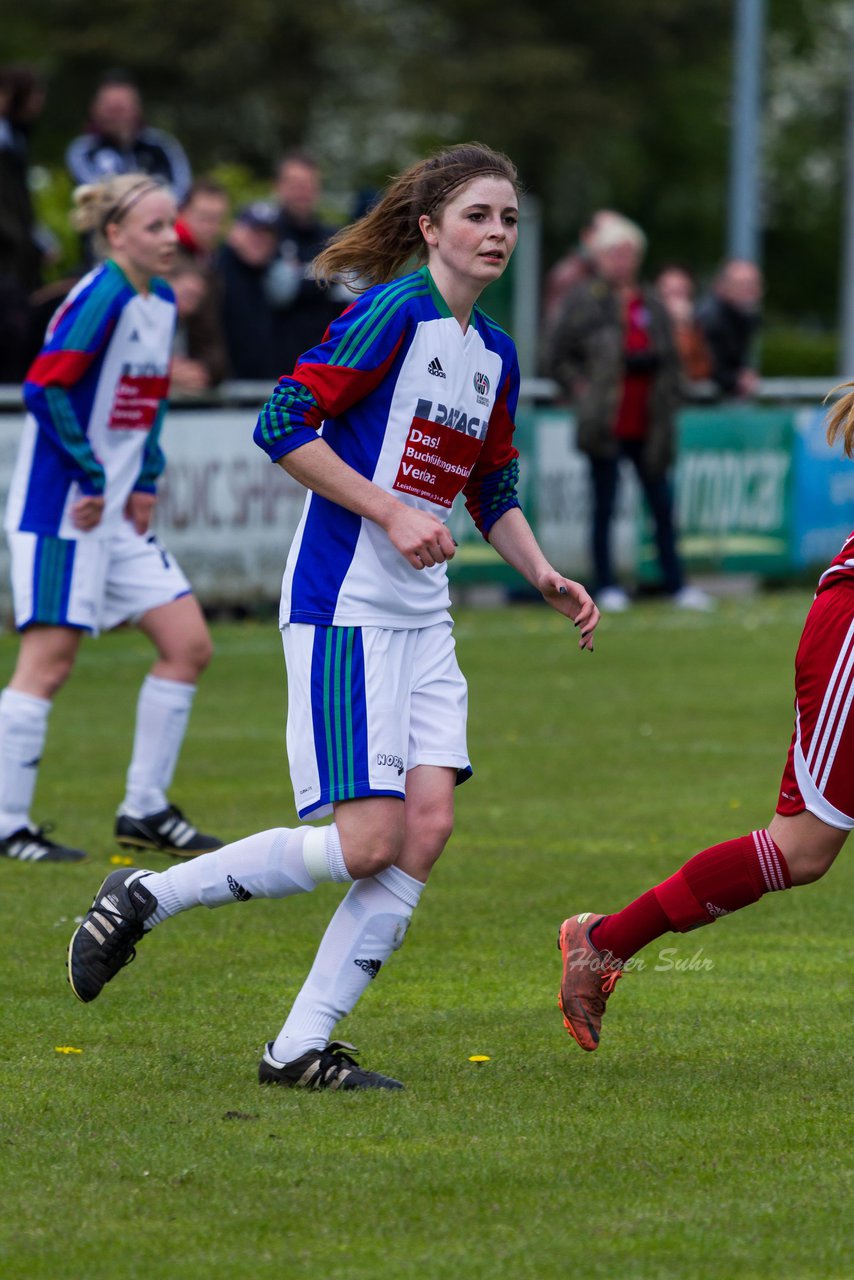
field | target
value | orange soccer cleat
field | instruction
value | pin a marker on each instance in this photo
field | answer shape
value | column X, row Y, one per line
column 589, row 977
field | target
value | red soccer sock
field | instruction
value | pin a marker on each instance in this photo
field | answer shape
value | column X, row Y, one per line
column 714, row 883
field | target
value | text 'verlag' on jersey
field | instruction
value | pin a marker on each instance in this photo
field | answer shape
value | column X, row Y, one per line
column 136, row 402
column 436, row 462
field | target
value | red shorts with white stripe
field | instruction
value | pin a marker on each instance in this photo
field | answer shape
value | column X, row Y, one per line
column 819, row 773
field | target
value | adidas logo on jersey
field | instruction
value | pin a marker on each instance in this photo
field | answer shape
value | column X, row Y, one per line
column 435, row 368
column 134, row 337
column 371, row 967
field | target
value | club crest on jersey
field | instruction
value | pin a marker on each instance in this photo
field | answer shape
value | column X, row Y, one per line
column 481, row 386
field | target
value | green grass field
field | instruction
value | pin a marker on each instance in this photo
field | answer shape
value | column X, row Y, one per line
column 710, row 1136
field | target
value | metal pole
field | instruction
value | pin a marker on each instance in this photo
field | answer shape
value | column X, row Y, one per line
column 743, row 238
column 526, row 285
column 846, row 310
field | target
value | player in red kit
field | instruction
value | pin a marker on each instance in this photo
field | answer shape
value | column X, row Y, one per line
column 815, row 809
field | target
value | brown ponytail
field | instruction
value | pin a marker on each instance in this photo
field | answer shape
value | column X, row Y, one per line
column 374, row 249
column 840, row 419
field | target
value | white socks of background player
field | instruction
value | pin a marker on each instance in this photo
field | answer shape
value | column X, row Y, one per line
column 162, row 713
column 271, row 864
column 370, row 924
column 23, row 729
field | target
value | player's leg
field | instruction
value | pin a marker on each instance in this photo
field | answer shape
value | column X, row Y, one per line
column 270, row 864
column 146, row 585
column 369, row 925
column 815, row 812
column 373, row 918
column 54, row 583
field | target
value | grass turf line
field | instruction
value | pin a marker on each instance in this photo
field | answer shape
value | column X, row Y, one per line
column 707, row 1138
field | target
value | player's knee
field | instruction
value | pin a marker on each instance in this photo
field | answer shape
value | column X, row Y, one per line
column 375, row 852
column 196, row 653
column 53, row 674
column 807, row 865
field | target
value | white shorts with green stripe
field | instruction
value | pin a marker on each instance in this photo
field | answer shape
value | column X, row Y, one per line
column 366, row 705
column 91, row 583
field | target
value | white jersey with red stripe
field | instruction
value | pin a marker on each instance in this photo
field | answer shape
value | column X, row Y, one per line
column 96, row 395
column 422, row 409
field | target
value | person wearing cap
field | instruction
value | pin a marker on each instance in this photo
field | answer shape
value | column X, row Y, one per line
column 614, row 355
column 302, row 308
column 241, row 265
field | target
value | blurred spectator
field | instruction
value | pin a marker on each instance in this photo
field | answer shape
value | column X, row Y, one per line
column 201, row 220
column 302, row 309
column 199, row 359
column 614, row 354
column 570, row 270
column 118, row 141
column 676, row 288
column 21, row 101
column 730, row 316
column 201, row 356
column 241, row 264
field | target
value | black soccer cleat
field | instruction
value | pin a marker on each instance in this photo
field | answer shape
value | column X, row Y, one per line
column 168, row 831
column 329, row 1068
column 32, row 845
column 106, row 940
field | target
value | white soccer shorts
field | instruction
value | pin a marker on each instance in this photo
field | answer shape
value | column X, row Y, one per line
column 365, row 705
column 91, row 583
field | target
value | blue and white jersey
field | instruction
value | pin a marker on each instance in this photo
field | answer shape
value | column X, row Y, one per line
column 423, row 410
column 96, row 396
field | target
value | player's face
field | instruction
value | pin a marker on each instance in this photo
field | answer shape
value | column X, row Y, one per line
column 475, row 233
column 143, row 243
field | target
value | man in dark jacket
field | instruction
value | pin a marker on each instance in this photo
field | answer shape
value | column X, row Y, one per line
column 241, row 267
column 730, row 317
column 302, row 309
column 118, row 141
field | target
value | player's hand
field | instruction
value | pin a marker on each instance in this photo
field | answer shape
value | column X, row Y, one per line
column 86, row 512
column 139, row 509
column 574, row 602
column 419, row 536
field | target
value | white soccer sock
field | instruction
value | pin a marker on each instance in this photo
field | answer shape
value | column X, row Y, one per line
column 162, row 713
column 271, row 864
column 370, row 924
column 23, row 729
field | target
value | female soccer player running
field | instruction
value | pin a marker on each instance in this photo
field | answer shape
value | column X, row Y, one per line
column 78, row 516
column 415, row 390
column 815, row 809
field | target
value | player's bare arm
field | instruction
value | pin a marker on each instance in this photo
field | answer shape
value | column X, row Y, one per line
column 513, row 539
column 419, row 536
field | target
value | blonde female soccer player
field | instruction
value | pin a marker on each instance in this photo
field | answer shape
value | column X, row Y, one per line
column 408, row 401
column 78, row 522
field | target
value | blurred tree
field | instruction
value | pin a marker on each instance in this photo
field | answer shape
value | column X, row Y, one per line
column 616, row 104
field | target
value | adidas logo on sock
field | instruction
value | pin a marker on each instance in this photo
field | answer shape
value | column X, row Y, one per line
column 241, row 894
column 371, row 967
column 435, row 368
